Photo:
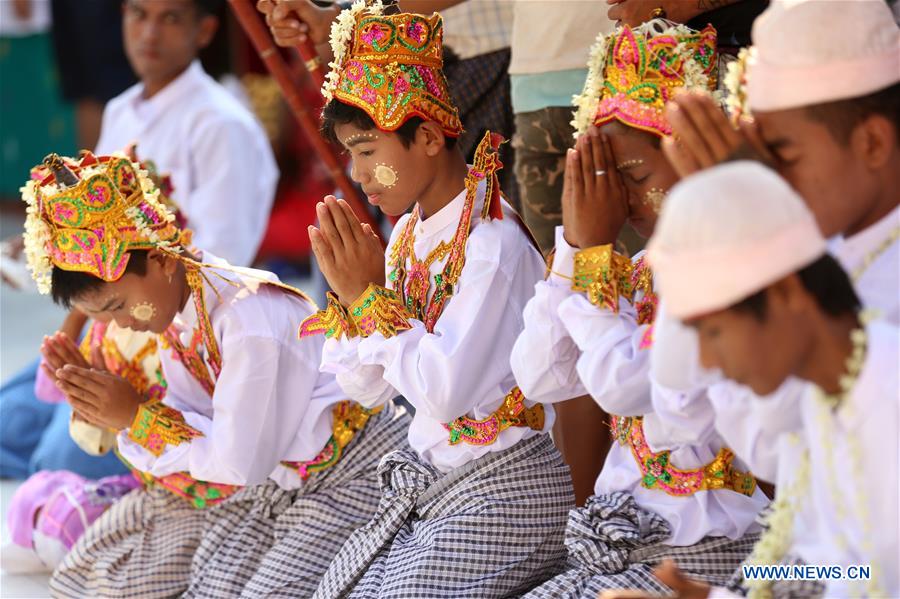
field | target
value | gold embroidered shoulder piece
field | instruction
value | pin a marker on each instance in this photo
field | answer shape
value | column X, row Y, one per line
column 156, row 425
column 603, row 275
column 379, row 310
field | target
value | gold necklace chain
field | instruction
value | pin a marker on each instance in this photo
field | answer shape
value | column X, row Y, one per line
column 876, row 253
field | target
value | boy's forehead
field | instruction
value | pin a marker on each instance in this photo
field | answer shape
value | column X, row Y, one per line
column 787, row 126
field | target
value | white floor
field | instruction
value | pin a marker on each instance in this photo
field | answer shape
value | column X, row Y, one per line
column 13, row 586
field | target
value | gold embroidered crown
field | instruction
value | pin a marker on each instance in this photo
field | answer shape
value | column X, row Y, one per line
column 86, row 214
column 391, row 66
column 633, row 73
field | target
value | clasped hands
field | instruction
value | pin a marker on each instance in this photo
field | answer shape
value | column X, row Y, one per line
column 96, row 395
column 349, row 253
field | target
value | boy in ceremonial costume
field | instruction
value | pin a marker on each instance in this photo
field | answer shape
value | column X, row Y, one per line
column 740, row 258
column 822, row 84
column 479, row 507
column 245, row 407
column 669, row 487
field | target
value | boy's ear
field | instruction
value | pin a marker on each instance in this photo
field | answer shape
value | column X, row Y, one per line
column 790, row 294
column 167, row 263
column 431, row 137
column 874, row 140
column 208, row 27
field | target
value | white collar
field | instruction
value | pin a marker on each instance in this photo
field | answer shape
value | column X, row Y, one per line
column 852, row 250
column 447, row 216
column 149, row 109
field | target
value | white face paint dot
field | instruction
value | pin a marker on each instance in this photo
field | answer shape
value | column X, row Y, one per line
column 144, row 311
column 654, row 198
column 385, row 175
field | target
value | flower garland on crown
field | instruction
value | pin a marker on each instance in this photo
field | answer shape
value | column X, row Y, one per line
column 38, row 233
column 37, row 236
column 341, row 40
column 735, row 99
column 587, row 102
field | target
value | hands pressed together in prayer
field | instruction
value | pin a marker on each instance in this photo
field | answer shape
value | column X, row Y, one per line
column 96, row 395
column 594, row 200
column 703, row 136
column 349, row 253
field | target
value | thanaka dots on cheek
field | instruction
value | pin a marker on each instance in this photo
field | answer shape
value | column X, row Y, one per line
column 143, row 312
column 385, row 175
column 654, row 198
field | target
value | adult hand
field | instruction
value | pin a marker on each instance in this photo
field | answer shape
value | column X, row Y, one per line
column 635, row 12
column 669, row 574
column 100, row 398
column 294, row 22
column 594, row 200
column 349, row 253
column 702, row 136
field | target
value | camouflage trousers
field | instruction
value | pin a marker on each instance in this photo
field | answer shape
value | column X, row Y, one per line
column 541, row 140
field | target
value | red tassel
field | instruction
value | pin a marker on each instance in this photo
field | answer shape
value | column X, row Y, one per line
column 487, row 160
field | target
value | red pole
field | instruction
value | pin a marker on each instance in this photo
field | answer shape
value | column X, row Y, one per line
column 250, row 21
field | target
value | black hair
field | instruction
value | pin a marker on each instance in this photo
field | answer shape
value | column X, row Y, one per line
column 68, row 285
column 209, row 7
column 337, row 113
column 825, row 280
column 842, row 117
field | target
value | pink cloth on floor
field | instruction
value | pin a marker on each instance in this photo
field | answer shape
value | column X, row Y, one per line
column 44, row 389
column 61, row 505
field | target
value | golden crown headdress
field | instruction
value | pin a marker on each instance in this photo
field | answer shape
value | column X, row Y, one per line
column 86, row 214
column 633, row 73
column 391, row 66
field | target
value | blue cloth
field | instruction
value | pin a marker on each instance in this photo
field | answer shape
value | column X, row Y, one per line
column 34, row 435
column 533, row 92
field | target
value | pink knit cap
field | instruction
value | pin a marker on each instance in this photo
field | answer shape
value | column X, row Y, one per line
column 726, row 233
column 808, row 52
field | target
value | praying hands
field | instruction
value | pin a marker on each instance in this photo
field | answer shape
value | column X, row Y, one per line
column 594, row 201
column 703, row 137
column 349, row 253
column 96, row 395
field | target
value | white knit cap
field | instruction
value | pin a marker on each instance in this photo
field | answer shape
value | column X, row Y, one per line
column 808, row 52
column 726, row 233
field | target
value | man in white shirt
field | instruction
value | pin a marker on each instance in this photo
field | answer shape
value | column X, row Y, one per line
column 216, row 152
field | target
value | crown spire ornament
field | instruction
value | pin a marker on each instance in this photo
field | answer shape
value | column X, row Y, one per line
column 391, row 66
column 633, row 73
column 87, row 214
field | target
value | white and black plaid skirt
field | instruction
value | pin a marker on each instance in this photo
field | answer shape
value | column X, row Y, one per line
column 265, row 541
column 491, row 528
column 614, row 544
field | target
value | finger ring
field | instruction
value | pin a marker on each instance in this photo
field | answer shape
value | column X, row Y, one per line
column 599, row 173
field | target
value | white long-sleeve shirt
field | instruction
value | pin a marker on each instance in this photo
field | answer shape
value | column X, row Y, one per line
column 270, row 402
column 855, row 470
column 601, row 352
column 850, row 513
column 604, row 353
column 750, row 424
column 217, row 154
column 462, row 367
